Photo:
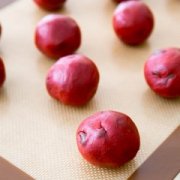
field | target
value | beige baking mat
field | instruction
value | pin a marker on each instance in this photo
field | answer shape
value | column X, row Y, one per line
column 37, row 133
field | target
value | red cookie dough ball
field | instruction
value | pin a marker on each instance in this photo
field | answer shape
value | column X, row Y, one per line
column 50, row 5
column 119, row 1
column 57, row 36
column 162, row 72
column 73, row 80
column 108, row 139
column 0, row 30
column 2, row 72
column 133, row 22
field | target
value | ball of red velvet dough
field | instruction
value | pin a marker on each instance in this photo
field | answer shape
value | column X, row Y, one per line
column 119, row 1
column 108, row 139
column 50, row 5
column 73, row 80
column 133, row 22
column 0, row 30
column 57, row 36
column 162, row 72
column 2, row 72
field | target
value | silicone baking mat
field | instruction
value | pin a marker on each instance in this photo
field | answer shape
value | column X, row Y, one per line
column 37, row 133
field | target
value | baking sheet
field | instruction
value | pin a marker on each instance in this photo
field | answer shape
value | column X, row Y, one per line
column 37, row 133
